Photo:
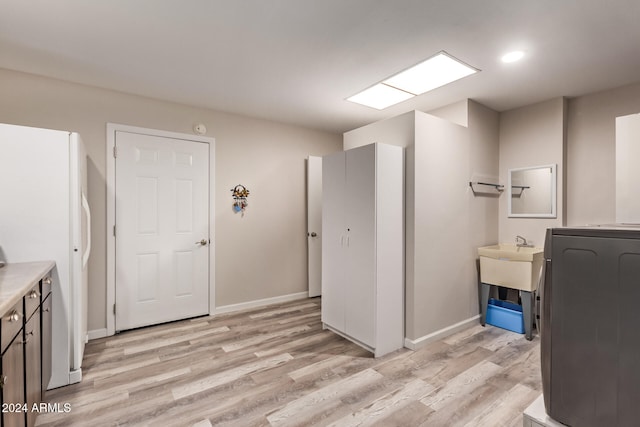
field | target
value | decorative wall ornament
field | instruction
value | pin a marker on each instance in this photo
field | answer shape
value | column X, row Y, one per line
column 240, row 194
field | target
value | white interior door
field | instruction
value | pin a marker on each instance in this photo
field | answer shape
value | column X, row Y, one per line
column 333, row 240
column 314, row 224
column 162, row 229
column 81, row 240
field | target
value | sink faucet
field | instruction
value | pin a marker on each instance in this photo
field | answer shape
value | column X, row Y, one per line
column 522, row 242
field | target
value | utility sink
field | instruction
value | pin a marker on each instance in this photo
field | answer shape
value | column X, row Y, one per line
column 511, row 266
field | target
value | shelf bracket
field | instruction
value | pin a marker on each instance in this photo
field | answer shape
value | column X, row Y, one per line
column 498, row 187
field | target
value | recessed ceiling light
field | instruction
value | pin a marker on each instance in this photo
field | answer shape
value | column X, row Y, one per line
column 436, row 71
column 514, row 56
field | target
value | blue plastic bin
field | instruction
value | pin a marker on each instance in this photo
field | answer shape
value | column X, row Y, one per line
column 505, row 315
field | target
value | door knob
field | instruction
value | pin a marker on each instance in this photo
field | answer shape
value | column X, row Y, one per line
column 202, row 242
column 314, row 234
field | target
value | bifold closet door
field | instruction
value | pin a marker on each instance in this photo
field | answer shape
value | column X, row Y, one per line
column 333, row 240
column 360, row 223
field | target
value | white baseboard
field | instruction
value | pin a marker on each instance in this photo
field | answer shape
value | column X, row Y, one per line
column 442, row 333
column 97, row 333
column 260, row 303
column 101, row 333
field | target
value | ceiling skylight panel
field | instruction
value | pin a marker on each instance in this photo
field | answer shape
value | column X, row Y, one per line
column 436, row 71
column 380, row 96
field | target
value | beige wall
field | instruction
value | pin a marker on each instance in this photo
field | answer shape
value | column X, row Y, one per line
column 531, row 136
column 450, row 222
column 458, row 112
column 577, row 135
column 586, row 159
column 398, row 130
column 259, row 256
column 445, row 223
column 264, row 254
column 443, row 288
column 484, row 164
column 591, row 153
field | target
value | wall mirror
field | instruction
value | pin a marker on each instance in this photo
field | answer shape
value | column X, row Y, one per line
column 532, row 192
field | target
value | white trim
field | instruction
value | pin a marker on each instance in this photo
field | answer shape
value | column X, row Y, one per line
column 112, row 128
column 442, row 333
column 261, row 302
column 97, row 333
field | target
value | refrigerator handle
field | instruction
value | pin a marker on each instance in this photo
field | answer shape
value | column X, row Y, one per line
column 87, row 211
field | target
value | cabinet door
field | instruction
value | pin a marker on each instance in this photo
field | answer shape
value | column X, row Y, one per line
column 333, row 240
column 360, row 219
column 13, row 383
column 32, row 366
column 46, row 344
column 594, row 318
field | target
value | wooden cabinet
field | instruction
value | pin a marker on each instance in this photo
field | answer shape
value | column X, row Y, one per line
column 12, row 377
column 363, row 246
column 26, row 343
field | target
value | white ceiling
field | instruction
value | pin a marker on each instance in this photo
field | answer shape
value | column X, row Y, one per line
column 296, row 61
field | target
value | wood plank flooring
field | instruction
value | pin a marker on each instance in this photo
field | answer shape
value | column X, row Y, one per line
column 276, row 366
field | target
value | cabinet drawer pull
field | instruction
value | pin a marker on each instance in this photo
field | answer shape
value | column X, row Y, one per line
column 3, row 380
column 28, row 337
column 47, row 281
column 14, row 316
column 34, row 294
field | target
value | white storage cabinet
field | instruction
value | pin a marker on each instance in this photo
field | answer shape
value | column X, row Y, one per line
column 363, row 246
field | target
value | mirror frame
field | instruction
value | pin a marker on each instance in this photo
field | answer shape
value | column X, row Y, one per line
column 554, row 183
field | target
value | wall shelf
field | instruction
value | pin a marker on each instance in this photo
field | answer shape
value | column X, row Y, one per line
column 483, row 189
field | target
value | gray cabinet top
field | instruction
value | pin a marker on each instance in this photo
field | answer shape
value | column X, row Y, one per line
column 17, row 278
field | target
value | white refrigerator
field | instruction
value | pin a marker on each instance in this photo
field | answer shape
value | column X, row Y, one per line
column 44, row 215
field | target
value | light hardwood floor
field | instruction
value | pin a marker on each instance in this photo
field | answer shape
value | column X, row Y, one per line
column 277, row 366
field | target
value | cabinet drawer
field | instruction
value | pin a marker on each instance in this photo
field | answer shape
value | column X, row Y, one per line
column 32, row 300
column 11, row 324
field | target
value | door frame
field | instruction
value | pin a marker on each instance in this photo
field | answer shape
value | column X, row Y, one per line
column 112, row 128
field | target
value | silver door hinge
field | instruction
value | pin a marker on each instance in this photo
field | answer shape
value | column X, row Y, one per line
column 114, row 309
column 115, row 151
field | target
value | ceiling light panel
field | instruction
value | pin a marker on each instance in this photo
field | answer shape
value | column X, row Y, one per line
column 436, row 71
column 380, row 96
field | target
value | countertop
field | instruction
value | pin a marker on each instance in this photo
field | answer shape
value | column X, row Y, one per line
column 17, row 278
